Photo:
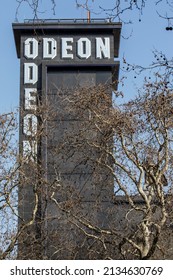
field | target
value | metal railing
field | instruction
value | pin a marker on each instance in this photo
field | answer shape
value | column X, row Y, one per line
column 70, row 21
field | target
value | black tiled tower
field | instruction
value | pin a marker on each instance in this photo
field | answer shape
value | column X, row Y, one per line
column 58, row 56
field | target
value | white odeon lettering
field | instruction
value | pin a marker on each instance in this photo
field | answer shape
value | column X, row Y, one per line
column 30, row 130
column 102, row 48
column 67, row 49
column 49, row 48
column 84, row 48
column 31, row 48
column 30, row 73
column 30, row 150
column 30, row 100
column 30, row 125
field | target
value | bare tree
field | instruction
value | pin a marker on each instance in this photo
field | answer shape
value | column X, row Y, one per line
column 118, row 10
column 16, row 172
column 120, row 208
column 8, row 178
column 130, row 148
column 127, row 153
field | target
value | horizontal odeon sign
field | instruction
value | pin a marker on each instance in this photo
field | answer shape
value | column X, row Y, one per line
column 68, row 48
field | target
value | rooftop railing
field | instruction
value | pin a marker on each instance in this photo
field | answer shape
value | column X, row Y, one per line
column 70, row 21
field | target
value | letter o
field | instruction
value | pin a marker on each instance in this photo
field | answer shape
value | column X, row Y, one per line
column 30, row 125
column 84, row 48
column 31, row 48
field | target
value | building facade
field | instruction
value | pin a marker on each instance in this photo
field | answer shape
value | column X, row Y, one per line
column 63, row 65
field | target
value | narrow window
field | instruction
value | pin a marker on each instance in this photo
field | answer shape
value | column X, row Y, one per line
column 84, row 47
column 49, row 47
column 31, row 47
column 30, row 72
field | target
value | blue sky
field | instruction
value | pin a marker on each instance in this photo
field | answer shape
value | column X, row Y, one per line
column 147, row 35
